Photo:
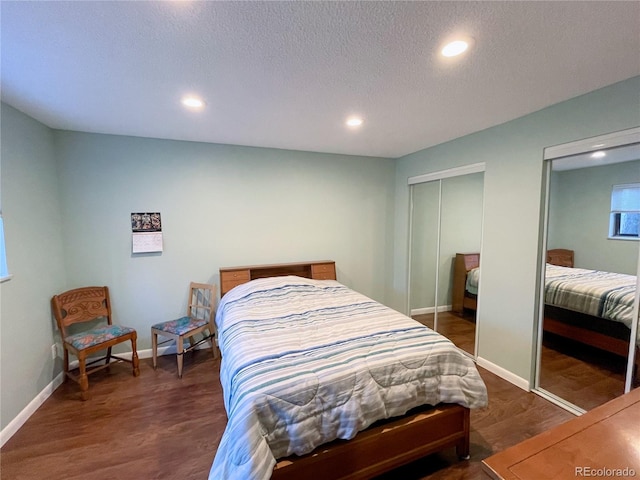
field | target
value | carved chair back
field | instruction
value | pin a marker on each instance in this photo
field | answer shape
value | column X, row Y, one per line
column 81, row 305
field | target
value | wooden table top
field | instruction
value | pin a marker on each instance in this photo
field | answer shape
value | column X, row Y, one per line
column 604, row 443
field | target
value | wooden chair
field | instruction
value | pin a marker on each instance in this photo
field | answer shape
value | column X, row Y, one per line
column 89, row 305
column 199, row 318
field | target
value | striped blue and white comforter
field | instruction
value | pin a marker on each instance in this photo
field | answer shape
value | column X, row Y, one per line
column 305, row 362
column 473, row 280
column 601, row 294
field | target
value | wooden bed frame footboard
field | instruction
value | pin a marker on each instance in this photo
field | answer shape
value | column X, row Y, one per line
column 607, row 335
column 383, row 446
column 587, row 329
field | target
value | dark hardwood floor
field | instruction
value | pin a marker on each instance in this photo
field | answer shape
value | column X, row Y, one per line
column 157, row 426
column 583, row 375
column 459, row 328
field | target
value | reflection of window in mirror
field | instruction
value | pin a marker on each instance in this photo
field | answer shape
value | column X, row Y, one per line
column 4, row 271
column 625, row 212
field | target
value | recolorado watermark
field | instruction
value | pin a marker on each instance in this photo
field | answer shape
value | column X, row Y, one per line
column 605, row 472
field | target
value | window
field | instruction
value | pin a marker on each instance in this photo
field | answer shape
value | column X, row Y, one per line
column 4, row 271
column 625, row 212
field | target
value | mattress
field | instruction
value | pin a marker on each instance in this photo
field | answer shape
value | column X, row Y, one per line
column 305, row 362
column 473, row 280
column 601, row 294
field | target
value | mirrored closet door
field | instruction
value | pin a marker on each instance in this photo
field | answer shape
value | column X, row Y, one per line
column 424, row 251
column 446, row 232
column 589, row 304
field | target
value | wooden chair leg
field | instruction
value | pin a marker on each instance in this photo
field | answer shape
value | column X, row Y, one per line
column 66, row 363
column 134, row 358
column 213, row 344
column 179, row 355
column 192, row 341
column 154, row 349
column 108, row 359
column 83, row 380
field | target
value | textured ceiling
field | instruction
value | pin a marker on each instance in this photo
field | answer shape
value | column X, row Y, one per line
column 287, row 74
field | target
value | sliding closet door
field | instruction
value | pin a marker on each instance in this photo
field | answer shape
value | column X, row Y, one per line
column 446, row 220
column 424, row 244
column 584, row 357
column 460, row 232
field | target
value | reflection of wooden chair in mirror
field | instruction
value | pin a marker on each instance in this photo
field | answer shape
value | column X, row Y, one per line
column 199, row 319
column 83, row 306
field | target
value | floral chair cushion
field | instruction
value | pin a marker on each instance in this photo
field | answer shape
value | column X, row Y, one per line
column 87, row 339
column 180, row 326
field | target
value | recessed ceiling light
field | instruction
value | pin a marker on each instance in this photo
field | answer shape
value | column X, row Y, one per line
column 354, row 122
column 598, row 154
column 193, row 102
column 456, row 47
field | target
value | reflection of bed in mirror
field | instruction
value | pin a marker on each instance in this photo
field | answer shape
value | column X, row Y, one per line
column 591, row 307
column 602, row 322
column 466, row 273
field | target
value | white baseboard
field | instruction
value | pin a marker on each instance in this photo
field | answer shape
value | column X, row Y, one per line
column 504, row 374
column 15, row 424
column 422, row 311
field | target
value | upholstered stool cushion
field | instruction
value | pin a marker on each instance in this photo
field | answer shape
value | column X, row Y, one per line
column 180, row 326
column 89, row 338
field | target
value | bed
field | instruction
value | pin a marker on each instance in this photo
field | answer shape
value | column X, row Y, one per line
column 591, row 307
column 321, row 381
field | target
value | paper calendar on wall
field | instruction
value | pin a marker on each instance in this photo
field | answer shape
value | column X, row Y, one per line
column 146, row 236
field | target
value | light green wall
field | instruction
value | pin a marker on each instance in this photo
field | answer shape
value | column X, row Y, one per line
column 512, row 205
column 221, row 206
column 33, row 234
column 579, row 210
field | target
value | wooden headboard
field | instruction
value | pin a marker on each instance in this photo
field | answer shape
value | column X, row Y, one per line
column 318, row 270
column 561, row 257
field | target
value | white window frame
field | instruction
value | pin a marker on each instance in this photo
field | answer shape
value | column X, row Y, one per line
column 616, row 210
